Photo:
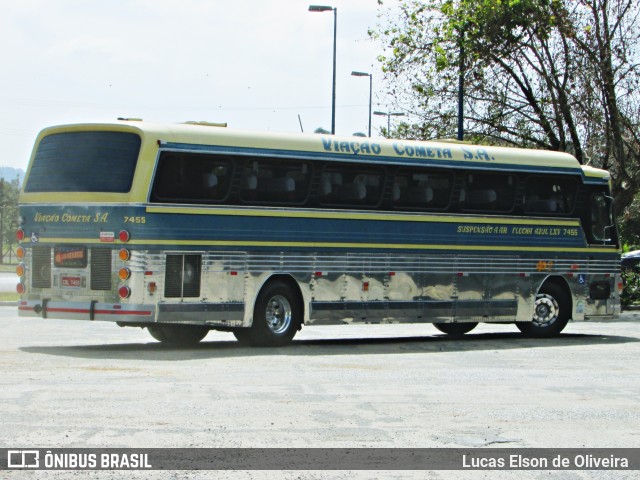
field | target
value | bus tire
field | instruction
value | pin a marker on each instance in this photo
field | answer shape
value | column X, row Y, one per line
column 455, row 329
column 277, row 316
column 551, row 312
column 178, row 335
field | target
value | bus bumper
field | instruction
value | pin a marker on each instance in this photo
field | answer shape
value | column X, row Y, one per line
column 108, row 312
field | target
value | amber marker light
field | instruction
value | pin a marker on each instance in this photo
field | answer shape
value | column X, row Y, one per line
column 20, row 270
column 20, row 252
column 124, row 273
column 124, row 254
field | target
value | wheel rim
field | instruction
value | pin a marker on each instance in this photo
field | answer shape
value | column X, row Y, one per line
column 545, row 310
column 278, row 314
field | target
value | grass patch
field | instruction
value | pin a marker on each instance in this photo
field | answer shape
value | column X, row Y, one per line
column 9, row 297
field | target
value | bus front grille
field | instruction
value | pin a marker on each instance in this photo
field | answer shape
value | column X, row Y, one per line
column 100, row 269
column 182, row 276
column 41, row 267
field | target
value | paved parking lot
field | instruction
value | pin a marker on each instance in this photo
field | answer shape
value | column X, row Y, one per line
column 84, row 384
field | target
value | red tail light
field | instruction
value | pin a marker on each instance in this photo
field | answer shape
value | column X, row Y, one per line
column 124, row 292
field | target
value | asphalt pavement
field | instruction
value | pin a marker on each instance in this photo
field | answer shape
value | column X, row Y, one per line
column 93, row 384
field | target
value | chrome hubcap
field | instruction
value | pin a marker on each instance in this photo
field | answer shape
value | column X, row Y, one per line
column 545, row 310
column 278, row 314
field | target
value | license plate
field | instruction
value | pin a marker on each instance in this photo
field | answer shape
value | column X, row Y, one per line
column 71, row 281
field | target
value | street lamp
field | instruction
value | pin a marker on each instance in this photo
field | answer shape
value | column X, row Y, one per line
column 389, row 115
column 370, row 75
column 326, row 8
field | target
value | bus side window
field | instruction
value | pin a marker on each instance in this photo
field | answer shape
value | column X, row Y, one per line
column 275, row 182
column 191, row 178
column 422, row 189
column 550, row 195
column 488, row 192
column 351, row 186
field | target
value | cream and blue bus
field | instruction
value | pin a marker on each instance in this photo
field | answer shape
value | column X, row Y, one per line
column 187, row 228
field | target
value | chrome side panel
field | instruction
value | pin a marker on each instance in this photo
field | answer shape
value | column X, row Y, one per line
column 391, row 287
column 344, row 288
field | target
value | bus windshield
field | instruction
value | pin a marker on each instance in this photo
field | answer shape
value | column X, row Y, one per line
column 84, row 162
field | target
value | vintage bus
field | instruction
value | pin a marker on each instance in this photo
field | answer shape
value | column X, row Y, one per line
column 187, row 228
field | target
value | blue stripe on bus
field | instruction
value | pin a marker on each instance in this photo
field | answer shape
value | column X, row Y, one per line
column 74, row 223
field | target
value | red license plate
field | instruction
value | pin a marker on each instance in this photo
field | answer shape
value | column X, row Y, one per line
column 71, row 281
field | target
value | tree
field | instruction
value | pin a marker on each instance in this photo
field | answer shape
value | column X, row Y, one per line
column 552, row 74
column 9, row 192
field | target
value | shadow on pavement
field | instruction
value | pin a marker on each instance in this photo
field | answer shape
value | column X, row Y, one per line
column 323, row 347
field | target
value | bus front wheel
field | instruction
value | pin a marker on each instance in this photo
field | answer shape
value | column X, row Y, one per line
column 277, row 316
column 178, row 335
column 551, row 313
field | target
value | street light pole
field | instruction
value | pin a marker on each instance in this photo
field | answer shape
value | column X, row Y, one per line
column 461, row 72
column 389, row 115
column 326, row 8
column 370, row 75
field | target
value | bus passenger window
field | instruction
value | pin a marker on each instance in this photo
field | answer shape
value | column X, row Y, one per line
column 350, row 186
column 191, row 178
column 488, row 192
column 550, row 195
column 270, row 181
column 420, row 189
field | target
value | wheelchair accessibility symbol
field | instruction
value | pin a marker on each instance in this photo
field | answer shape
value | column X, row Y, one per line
column 582, row 279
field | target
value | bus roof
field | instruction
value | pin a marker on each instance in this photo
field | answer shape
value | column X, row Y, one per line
column 376, row 150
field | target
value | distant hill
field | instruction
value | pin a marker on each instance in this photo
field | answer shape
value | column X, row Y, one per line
column 10, row 173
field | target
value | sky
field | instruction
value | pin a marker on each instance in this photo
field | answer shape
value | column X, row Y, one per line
column 256, row 64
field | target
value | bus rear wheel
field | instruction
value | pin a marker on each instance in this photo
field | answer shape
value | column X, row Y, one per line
column 456, row 329
column 277, row 316
column 551, row 313
column 178, row 335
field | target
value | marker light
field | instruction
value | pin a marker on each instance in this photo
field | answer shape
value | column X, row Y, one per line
column 124, row 292
column 124, row 273
column 20, row 270
column 124, row 254
column 20, row 252
column 20, row 288
column 20, row 234
column 124, row 236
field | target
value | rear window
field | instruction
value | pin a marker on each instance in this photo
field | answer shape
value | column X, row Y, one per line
column 84, row 162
